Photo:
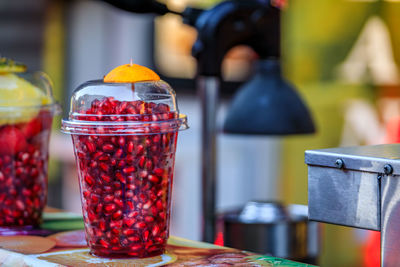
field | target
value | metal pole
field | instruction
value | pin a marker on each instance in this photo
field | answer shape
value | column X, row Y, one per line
column 208, row 91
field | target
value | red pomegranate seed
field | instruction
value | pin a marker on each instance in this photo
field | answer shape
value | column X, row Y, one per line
column 106, row 178
column 117, row 214
column 121, row 141
column 153, row 178
column 104, row 167
column 140, row 225
column 147, row 205
column 120, row 177
column 141, row 161
column 129, row 194
column 91, row 147
column 136, row 247
column 108, row 198
column 139, row 149
column 129, row 221
column 102, row 225
column 128, row 232
column 133, row 238
column 149, row 219
column 109, row 208
column 158, row 171
column 155, row 230
column 119, row 202
column 104, row 243
column 146, row 235
column 116, row 224
column 130, row 205
column 129, row 170
column 130, row 147
column 89, row 180
column 119, row 153
column 133, row 214
column 95, row 198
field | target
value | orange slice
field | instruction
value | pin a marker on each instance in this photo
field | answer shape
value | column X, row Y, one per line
column 131, row 73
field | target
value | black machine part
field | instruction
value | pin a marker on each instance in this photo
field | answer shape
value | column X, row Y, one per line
column 268, row 105
column 253, row 23
column 141, row 6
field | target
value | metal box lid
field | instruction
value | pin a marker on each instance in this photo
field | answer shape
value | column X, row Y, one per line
column 361, row 158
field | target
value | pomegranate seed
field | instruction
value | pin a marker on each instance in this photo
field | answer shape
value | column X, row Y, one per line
column 129, row 221
column 106, row 178
column 121, row 141
column 149, row 219
column 119, row 202
column 153, row 178
column 130, row 205
column 95, row 198
column 159, row 172
column 130, row 147
column 135, row 247
column 119, row 153
column 108, row 198
column 139, row 149
column 129, row 194
column 89, row 180
column 115, row 224
column 120, row 177
column 117, row 214
column 128, row 232
column 109, row 208
column 91, row 147
column 129, row 169
column 102, row 225
column 155, row 230
column 146, row 235
column 140, row 225
column 141, row 161
column 104, row 167
column 104, row 243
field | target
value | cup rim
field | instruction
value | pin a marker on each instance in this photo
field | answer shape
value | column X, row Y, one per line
column 107, row 128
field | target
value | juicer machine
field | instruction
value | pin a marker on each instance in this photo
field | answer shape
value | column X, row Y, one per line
column 264, row 105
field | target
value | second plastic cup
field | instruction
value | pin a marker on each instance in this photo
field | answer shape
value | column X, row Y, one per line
column 125, row 151
column 27, row 108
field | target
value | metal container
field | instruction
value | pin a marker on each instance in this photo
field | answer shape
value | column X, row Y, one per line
column 274, row 229
column 358, row 187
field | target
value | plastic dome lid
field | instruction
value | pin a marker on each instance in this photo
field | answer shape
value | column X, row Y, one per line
column 100, row 108
column 22, row 95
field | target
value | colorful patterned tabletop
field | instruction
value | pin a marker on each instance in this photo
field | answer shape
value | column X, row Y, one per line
column 61, row 242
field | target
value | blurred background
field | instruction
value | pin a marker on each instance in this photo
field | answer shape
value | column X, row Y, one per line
column 341, row 55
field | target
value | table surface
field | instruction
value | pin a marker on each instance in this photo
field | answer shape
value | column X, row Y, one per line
column 61, row 242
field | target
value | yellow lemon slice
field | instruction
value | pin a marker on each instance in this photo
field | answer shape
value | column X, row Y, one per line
column 17, row 97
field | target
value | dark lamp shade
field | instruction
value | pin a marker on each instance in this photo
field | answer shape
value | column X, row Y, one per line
column 268, row 105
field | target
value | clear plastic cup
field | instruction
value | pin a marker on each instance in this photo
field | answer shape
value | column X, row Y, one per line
column 24, row 140
column 124, row 138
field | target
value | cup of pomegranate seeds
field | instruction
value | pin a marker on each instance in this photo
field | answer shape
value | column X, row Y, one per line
column 27, row 108
column 124, row 133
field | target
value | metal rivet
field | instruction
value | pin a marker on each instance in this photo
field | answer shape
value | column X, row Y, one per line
column 388, row 169
column 339, row 163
